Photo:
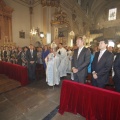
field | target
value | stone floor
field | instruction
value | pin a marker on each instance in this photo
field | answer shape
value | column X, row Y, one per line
column 33, row 102
column 7, row 84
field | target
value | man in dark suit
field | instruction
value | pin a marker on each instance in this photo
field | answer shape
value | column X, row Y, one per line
column 31, row 57
column 80, row 61
column 116, row 67
column 101, row 65
column 18, row 57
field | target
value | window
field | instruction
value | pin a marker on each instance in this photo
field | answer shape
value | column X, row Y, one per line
column 48, row 38
column 112, row 14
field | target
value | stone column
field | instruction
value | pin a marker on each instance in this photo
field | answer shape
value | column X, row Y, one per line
column 31, row 12
column 46, row 22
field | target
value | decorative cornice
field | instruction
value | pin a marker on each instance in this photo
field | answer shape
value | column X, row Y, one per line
column 28, row 3
column 60, row 18
column 4, row 9
column 51, row 3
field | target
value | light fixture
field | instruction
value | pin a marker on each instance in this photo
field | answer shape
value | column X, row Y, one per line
column 41, row 34
column 118, row 45
column 111, row 43
column 33, row 31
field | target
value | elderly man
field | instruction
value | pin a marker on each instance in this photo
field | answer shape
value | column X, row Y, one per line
column 31, row 57
column 62, row 54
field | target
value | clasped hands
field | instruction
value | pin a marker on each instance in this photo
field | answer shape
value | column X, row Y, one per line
column 75, row 70
column 31, row 62
column 95, row 75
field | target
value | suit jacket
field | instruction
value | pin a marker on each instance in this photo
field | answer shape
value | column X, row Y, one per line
column 82, row 62
column 19, row 60
column 30, row 58
column 5, row 54
column 116, row 67
column 103, row 67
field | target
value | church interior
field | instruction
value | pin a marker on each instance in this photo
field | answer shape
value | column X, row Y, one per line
column 41, row 23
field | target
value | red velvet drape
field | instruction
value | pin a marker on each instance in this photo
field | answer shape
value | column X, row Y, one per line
column 15, row 71
column 91, row 102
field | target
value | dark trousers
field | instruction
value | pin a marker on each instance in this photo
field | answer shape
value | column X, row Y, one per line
column 95, row 83
column 117, row 87
column 79, row 78
column 31, row 71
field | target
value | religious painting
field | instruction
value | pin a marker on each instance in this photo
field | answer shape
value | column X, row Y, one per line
column 112, row 14
column 21, row 34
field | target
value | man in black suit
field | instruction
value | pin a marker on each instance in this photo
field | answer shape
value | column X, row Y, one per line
column 101, row 65
column 116, row 67
column 80, row 61
column 31, row 57
column 18, row 57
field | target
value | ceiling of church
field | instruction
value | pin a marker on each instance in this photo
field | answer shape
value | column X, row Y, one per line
column 28, row 2
column 94, row 6
column 97, row 6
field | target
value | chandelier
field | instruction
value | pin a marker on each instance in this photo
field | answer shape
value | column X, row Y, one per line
column 33, row 32
column 60, row 18
column 52, row 3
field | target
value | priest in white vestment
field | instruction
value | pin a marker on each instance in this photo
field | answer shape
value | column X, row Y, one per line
column 52, row 74
column 69, row 57
column 62, row 54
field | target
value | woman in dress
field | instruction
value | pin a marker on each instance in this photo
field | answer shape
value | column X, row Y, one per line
column 23, row 56
column 45, row 52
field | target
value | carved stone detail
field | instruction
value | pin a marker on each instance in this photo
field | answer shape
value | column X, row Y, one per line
column 52, row 3
column 5, row 23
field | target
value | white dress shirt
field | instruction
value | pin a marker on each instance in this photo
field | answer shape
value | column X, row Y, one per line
column 101, row 53
column 79, row 51
column 31, row 51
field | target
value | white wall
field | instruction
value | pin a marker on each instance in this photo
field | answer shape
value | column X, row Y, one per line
column 38, row 17
column 37, row 20
column 20, row 21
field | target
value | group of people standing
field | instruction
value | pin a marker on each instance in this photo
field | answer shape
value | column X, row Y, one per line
column 101, row 64
column 54, row 59
column 58, row 64
column 58, row 61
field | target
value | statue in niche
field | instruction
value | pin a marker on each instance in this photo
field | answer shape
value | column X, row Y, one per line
column 61, row 34
column 74, row 16
column 79, row 2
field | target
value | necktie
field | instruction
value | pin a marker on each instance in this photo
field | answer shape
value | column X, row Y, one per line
column 100, row 55
column 32, row 53
column 78, row 53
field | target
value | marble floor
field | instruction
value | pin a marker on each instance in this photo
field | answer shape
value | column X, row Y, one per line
column 36, row 101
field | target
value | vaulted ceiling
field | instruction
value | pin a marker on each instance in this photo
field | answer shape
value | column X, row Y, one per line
column 97, row 7
column 28, row 3
column 94, row 6
column 33, row 3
